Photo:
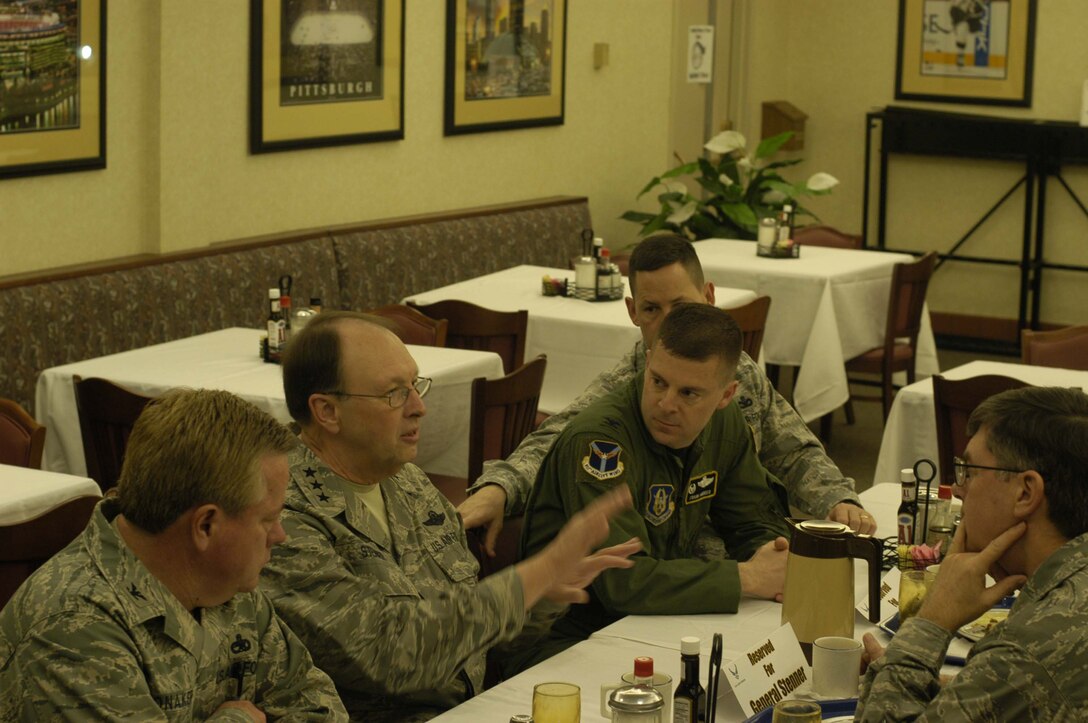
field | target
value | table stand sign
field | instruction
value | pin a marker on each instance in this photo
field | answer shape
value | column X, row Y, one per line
column 768, row 672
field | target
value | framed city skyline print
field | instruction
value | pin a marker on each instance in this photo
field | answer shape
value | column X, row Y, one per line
column 966, row 51
column 505, row 64
column 325, row 73
column 53, row 88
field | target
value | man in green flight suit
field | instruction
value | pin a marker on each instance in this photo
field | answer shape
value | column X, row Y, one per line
column 671, row 435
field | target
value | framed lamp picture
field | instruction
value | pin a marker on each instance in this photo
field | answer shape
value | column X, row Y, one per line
column 505, row 64
column 325, row 73
column 53, row 87
column 966, row 51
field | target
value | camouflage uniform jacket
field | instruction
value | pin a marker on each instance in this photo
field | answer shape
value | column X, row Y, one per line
column 93, row 635
column 1032, row 667
column 786, row 446
column 401, row 625
column 673, row 492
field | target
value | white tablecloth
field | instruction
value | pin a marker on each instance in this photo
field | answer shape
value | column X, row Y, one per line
column 610, row 652
column 827, row 306
column 581, row 338
column 910, row 433
column 228, row 359
column 29, row 493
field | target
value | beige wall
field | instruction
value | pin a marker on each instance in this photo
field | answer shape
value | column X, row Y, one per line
column 179, row 173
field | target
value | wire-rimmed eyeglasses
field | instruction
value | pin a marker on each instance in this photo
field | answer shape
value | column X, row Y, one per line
column 960, row 467
column 396, row 398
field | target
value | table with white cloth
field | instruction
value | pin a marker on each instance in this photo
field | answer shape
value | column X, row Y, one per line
column 29, row 493
column 228, row 359
column 610, row 652
column 827, row 306
column 910, row 433
column 581, row 338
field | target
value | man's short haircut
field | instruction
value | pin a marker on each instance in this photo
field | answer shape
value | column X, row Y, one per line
column 1043, row 429
column 701, row 331
column 192, row 447
column 311, row 361
column 657, row 252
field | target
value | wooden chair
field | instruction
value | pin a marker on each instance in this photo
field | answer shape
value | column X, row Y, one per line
column 752, row 320
column 412, row 326
column 476, row 327
column 953, row 402
column 25, row 546
column 107, row 413
column 827, row 236
column 1066, row 348
column 21, row 437
column 503, row 413
column 899, row 351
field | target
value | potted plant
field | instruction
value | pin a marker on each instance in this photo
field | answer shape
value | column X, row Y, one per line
column 738, row 190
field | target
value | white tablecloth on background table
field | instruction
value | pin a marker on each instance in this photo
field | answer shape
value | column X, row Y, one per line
column 610, row 651
column 581, row 338
column 29, row 493
column 827, row 306
column 228, row 359
column 910, row 433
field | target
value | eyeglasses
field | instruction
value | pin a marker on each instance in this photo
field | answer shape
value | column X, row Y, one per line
column 399, row 396
column 960, row 468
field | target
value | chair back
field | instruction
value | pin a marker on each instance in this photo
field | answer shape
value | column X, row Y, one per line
column 752, row 320
column 1066, row 348
column 953, row 402
column 25, row 546
column 507, row 546
column 908, row 297
column 107, row 413
column 483, row 329
column 412, row 326
column 827, row 236
column 21, row 437
column 503, row 413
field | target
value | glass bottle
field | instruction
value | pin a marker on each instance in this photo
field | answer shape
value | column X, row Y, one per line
column 689, row 701
column 908, row 507
column 277, row 329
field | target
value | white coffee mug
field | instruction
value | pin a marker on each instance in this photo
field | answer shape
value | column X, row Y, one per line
column 836, row 665
column 662, row 684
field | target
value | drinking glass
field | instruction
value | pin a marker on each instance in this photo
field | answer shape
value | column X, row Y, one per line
column 912, row 591
column 797, row 711
column 557, row 703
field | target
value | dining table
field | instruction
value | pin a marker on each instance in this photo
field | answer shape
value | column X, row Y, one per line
column 580, row 338
column 610, row 652
column 828, row 305
column 910, row 433
column 229, row 360
column 26, row 494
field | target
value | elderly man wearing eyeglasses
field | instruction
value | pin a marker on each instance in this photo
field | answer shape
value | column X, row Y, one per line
column 1025, row 522
column 375, row 575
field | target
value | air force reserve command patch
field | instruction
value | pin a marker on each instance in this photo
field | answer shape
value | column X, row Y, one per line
column 701, row 488
column 659, row 504
column 603, row 460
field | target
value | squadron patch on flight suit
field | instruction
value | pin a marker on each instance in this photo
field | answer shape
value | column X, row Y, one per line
column 603, row 460
column 659, row 504
column 701, row 488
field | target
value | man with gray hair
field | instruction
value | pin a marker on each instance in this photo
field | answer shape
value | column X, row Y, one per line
column 151, row 613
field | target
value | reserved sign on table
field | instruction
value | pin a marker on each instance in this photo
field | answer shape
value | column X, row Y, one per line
column 768, row 672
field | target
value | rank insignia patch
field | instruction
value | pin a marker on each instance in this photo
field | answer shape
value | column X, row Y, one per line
column 701, row 488
column 603, row 461
column 659, row 504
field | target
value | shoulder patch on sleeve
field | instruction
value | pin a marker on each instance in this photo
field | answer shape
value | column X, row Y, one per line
column 603, row 461
column 701, row 487
column 659, row 504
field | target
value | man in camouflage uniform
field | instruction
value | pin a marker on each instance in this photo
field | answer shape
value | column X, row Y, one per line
column 376, row 576
column 675, row 440
column 1025, row 521
column 664, row 270
column 151, row 614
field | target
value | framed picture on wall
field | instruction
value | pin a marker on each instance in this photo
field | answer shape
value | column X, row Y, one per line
column 966, row 51
column 325, row 73
column 53, row 87
column 505, row 64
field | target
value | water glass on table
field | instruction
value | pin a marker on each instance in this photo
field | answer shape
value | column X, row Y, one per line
column 912, row 593
column 797, row 711
column 557, row 703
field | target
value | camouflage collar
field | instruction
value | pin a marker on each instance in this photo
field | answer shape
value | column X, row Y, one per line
column 1063, row 563
column 315, row 481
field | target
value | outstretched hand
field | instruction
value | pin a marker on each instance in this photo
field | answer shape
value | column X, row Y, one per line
column 572, row 588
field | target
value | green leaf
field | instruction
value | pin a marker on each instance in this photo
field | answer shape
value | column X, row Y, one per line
column 741, row 214
column 769, row 146
column 653, row 182
column 783, row 164
column 683, row 170
column 638, row 216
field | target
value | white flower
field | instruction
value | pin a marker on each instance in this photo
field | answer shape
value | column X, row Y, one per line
column 683, row 213
column 744, row 164
column 822, row 182
column 774, row 197
column 726, row 180
column 674, row 187
column 726, row 142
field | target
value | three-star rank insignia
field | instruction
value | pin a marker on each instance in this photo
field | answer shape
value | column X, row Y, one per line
column 701, row 488
column 659, row 504
column 603, row 460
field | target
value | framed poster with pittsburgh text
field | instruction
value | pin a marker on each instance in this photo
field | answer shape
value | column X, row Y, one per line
column 325, row 73
column 505, row 64
column 52, row 87
column 966, row 51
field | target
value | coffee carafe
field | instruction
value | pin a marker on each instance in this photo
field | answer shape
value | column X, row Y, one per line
column 819, row 595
